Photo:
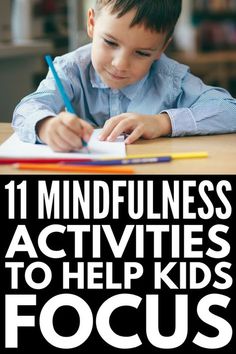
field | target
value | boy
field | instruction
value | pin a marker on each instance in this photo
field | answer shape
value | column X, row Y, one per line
column 124, row 82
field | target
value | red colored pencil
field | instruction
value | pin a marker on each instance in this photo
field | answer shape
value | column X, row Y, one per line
column 8, row 161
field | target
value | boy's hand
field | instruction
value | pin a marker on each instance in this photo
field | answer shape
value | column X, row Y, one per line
column 64, row 132
column 145, row 126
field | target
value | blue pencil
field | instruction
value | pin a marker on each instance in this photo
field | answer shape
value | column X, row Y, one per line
column 60, row 87
column 134, row 161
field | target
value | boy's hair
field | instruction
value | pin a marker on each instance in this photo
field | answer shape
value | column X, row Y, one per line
column 156, row 15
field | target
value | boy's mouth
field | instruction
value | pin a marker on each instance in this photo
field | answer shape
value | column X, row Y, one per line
column 115, row 76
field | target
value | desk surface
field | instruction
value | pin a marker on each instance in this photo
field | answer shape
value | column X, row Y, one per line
column 221, row 149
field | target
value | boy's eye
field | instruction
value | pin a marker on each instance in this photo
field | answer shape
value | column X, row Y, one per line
column 110, row 43
column 143, row 54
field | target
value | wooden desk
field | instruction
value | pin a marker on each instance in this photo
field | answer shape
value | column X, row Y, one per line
column 221, row 149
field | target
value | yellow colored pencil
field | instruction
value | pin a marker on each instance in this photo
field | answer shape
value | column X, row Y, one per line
column 74, row 168
column 189, row 155
column 173, row 155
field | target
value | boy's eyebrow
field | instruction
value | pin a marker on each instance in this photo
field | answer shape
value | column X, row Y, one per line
column 110, row 36
column 116, row 40
column 148, row 49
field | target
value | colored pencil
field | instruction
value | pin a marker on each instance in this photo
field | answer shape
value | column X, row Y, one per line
column 71, row 168
column 8, row 161
column 135, row 161
column 173, row 155
column 62, row 91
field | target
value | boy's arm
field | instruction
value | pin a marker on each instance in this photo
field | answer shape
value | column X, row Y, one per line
column 45, row 102
column 202, row 109
column 193, row 109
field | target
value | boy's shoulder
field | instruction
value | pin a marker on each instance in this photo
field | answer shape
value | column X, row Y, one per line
column 77, row 59
column 167, row 67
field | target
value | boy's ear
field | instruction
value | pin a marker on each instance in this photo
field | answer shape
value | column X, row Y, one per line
column 165, row 46
column 90, row 22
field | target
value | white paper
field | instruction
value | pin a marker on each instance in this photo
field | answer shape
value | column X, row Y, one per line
column 14, row 148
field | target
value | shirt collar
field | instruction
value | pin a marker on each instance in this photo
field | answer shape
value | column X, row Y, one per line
column 95, row 79
column 130, row 91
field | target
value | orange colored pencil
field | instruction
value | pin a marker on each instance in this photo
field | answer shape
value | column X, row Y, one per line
column 74, row 168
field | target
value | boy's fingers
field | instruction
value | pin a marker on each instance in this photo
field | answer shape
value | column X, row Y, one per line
column 109, row 126
column 135, row 135
column 66, row 139
column 61, row 138
column 122, row 127
column 87, row 129
column 127, row 125
column 58, row 144
column 77, row 125
column 76, row 129
column 69, row 137
column 71, row 121
column 63, row 133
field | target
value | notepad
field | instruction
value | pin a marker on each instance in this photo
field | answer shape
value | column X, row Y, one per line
column 13, row 147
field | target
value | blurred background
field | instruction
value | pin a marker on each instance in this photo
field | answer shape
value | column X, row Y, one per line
column 205, row 39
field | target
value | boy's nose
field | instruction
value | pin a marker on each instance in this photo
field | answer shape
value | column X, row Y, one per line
column 121, row 62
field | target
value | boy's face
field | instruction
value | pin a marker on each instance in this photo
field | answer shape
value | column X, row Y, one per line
column 122, row 55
